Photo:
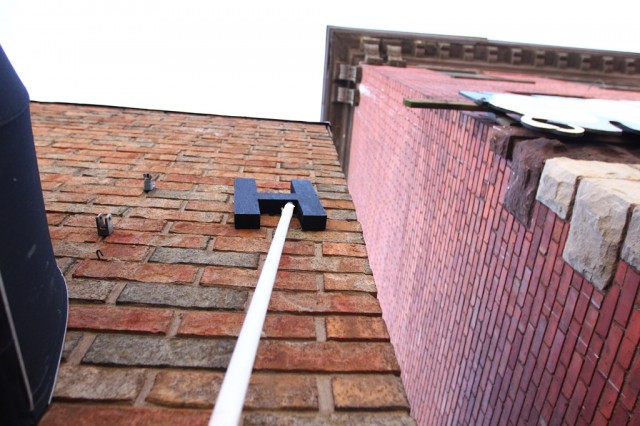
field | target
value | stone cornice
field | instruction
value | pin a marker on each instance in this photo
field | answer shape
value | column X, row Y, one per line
column 348, row 47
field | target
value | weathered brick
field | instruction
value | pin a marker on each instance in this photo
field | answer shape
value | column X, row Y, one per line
column 200, row 389
column 98, row 384
column 150, row 213
column 356, row 328
column 332, row 236
column 216, row 229
column 70, row 234
column 369, row 392
column 91, row 290
column 145, row 272
column 229, row 324
column 59, row 415
column 183, row 296
column 253, row 245
column 326, row 357
column 324, row 302
column 109, row 251
column 83, row 208
column 119, row 223
column 154, row 239
column 337, row 419
column 285, row 280
column 202, row 257
column 210, row 206
column 151, row 351
column 329, row 264
column 120, row 318
column 160, row 203
column 187, row 195
column 344, row 249
column 349, row 282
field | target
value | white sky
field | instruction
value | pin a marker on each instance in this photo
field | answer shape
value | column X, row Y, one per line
column 255, row 58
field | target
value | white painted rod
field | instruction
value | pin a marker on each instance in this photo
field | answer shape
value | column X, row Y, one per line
column 228, row 408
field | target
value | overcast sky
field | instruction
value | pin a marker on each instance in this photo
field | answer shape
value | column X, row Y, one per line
column 258, row 58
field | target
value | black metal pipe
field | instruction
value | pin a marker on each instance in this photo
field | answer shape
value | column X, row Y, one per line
column 33, row 293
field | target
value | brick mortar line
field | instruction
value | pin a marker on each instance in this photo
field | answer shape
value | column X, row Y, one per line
column 321, row 329
column 167, row 227
column 175, row 324
column 198, row 277
column 75, row 358
column 211, row 243
column 149, row 381
column 112, row 298
column 326, row 404
column 147, row 258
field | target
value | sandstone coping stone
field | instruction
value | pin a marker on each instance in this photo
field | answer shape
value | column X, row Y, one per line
column 597, row 228
column 631, row 246
column 561, row 176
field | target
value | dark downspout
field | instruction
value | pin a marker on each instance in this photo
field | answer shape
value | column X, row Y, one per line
column 33, row 293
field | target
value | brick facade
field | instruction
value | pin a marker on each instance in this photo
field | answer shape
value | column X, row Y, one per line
column 152, row 325
column 489, row 323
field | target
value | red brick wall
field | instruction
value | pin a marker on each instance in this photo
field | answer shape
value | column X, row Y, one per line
column 152, row 325
column 488, row 322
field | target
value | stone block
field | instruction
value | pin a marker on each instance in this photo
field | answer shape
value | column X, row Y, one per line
column 597, row 228
column 114, row 349
column 367, row 392
column 334, row 419
column 356, row 328
column 631, row 246
column 102, row 384
column 202, row 257
column 349, row 282
column 183, row 296
column 561, row 176
column 91, row 290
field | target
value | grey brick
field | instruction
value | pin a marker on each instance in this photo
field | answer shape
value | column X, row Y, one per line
column 631, row 246
column 113, row 349
column 332, row 236
column 341, row 214
column 95, row 290
column 187, row 195
column 203, row 257
column 295, row 419
column 323, row 187
column 183, row 296
column 334, row 196
column 71, row 340
column 103, row 384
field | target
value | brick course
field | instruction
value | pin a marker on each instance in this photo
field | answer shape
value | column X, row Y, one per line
column 153, row 324
column 490, row 325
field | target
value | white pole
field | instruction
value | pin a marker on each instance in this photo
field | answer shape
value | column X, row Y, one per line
column 230, row 400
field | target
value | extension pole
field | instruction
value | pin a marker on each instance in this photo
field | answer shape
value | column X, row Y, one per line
column 228, row 408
